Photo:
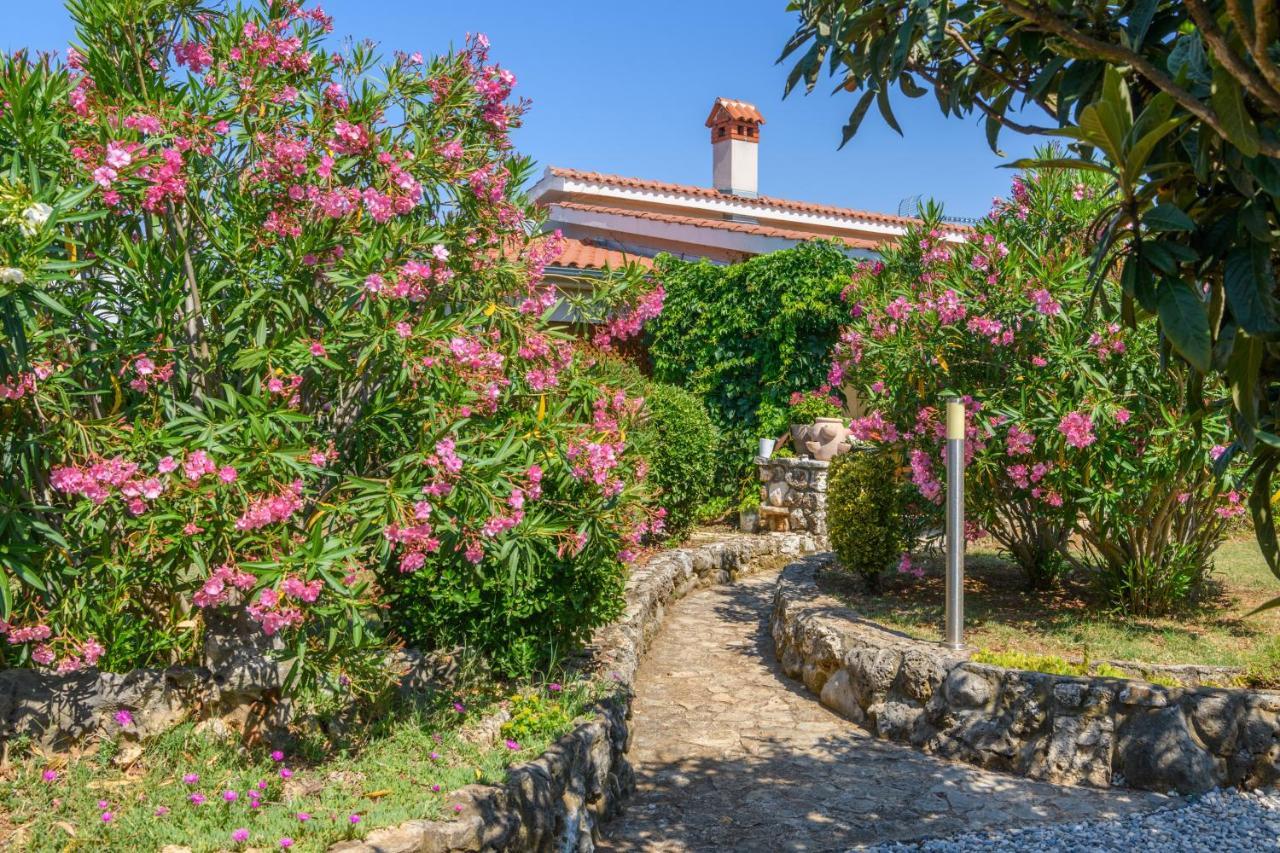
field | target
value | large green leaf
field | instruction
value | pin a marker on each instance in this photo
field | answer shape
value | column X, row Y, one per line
column 1184, row 321
column 1228, row 103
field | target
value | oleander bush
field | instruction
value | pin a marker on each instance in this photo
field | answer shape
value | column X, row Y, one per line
column 1075, row 425
column 866, row 516
column 273, row 340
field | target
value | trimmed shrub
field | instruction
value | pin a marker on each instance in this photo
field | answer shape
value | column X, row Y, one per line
column 865, row 513
column 679, row 441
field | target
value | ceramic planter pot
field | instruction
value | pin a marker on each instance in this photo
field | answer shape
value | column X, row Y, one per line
column 800, row 437
column 826, row 438
column 766, row 447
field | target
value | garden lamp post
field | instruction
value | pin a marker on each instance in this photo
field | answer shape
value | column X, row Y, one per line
column 955, row 524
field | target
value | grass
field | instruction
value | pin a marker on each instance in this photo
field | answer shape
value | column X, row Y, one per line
column 404, row 768
column 1070, row 622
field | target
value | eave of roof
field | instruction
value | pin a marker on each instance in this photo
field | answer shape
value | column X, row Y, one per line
column 716, row 224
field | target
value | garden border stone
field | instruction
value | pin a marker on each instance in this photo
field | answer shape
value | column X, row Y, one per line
column 1078, row 730
column 557, row 801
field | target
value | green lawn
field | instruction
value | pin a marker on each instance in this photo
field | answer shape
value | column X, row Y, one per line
column 1070, row 622
column 404, row 769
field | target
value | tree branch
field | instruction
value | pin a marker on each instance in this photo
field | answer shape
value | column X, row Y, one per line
column 1251, row 80
column 1122, row 55
column 1259, row 37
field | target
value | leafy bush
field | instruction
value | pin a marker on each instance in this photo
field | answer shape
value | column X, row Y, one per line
column 534, row 715
column 805, row 408
column 1073, row 424
column 273, row 342
column 745, row 337
column 679, row 441
column 864, row 512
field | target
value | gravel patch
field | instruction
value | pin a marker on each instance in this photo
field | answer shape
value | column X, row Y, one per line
column 1223, row 821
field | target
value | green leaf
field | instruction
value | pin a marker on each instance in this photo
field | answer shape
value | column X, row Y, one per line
column 1228, row 102
column 1250, row 299
column 1167, row 217
column 1184, row 321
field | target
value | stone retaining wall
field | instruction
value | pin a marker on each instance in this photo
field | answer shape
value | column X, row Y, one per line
column 555, row 802
column 793, row 495
column 1069, row 730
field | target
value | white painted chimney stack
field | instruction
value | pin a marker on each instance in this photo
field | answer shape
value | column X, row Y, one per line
column 735, row 141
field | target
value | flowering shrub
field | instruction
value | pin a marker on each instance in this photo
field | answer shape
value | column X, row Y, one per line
column 805, row 408
column 273, row 340
column 1072, row 423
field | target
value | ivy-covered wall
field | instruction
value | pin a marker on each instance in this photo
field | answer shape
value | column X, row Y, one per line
column 744, row 337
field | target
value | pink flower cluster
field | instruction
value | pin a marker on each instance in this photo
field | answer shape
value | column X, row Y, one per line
column 274, row 612
column 627, row 323
column 146, row 373
column 218, row 589
column 1108, row 343
column 17, row 387
column 272, row 509
column 193, row 55
column 1077, row 427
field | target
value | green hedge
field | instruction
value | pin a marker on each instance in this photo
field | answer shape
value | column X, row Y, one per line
column 865, row 512
column 680, row 443
column 745, row 337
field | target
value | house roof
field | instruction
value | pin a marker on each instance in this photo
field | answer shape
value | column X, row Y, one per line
column 735, row 110
column 715, row 224
column 584, row 255
column 760, row 203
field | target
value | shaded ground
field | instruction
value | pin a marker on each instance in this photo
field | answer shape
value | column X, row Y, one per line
column 1071, row 621
column 732, row 755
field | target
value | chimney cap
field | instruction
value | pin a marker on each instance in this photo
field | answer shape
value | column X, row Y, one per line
column 728, row 109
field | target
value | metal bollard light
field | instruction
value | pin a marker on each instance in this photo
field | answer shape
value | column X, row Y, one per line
column 955, row 524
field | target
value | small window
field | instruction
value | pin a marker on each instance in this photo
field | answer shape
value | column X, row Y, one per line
column 722, row 130
column 751, row 131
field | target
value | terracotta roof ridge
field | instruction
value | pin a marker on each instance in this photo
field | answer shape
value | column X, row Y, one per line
column 752, row 201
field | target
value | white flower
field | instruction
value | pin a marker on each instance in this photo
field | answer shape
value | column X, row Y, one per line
column 11, row 275
column 34, row 218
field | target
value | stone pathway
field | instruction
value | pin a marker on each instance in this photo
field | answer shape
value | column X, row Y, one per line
column 731, row 755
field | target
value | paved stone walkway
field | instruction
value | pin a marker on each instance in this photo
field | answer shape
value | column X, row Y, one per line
column 731, row 755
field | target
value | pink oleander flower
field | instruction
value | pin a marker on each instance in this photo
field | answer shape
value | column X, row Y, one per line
column 1122, row 415
column 317, row 349
column 227, row 474
column 1077, row 427
column 1019, row 442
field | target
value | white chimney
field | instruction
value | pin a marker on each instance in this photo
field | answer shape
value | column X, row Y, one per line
column 735, row 140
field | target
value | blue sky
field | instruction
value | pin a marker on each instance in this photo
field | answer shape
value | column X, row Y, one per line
column 625, row 87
